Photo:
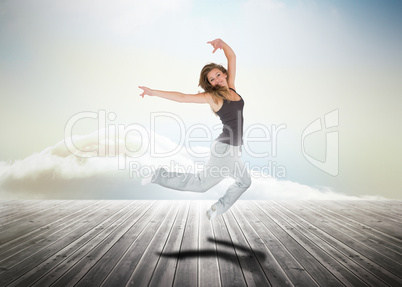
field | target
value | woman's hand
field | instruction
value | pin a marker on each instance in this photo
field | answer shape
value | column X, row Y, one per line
column 146, row 91
column 230, row 56
column 217, row 44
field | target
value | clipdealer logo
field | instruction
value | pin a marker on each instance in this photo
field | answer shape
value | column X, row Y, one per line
column 130, row 142
column 113, row 140
column 330, row 164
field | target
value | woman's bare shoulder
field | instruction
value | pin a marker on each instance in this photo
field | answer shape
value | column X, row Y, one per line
column 210, row 100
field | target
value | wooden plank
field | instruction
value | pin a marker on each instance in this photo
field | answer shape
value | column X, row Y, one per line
column 12, row 205
column 374, row 210
column 4, row 204
column 263, row 243
column 166, row 267
column 229, row 265
column 93, row 255
column 16, row 255
column 314, row 269
column 361, row 233
column 145, row 268
column 28, row 210
column 18, row 268
column 347, row 245
column 334, row 250
column 293, row 269
column 389, row 208
column 30, row 221
column 13, row 210
column 353, row 221
column 252, row 271
column 106, row 229
column 313, row 244
column 378, row 222
column 25, row 243
column 120, row 274
column 271, row 267
column 112, row 211
column 208, row 260
column 389, row 205
column 187, row 266
column 98, row 272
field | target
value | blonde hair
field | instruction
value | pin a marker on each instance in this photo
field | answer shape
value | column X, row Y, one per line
column 218, row 93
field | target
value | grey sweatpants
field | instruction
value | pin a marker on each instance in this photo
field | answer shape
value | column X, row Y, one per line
column 224, row 161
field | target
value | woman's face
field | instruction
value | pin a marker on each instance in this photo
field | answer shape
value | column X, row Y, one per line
column 217, row 77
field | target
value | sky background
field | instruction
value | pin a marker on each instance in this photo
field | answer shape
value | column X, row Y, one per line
column 296, row 62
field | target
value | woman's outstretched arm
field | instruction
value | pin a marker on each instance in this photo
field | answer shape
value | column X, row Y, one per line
column 175, row 96
column 231, row 58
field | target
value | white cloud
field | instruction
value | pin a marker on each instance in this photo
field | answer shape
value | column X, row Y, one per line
column 56, row 173
column 287, row 190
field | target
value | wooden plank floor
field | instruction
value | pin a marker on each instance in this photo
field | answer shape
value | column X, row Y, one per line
column 171, row 243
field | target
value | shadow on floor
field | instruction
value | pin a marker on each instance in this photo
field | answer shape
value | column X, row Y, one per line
column 227, row 256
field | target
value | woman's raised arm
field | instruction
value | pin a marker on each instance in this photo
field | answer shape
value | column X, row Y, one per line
column 176, row 96
column 231, row 58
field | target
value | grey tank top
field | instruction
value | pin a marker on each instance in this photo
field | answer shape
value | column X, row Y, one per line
column 231, row 115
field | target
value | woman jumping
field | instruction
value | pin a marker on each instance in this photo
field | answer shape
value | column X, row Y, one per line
column 225, row 156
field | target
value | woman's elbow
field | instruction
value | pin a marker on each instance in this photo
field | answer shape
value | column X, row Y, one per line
column 182, row 99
